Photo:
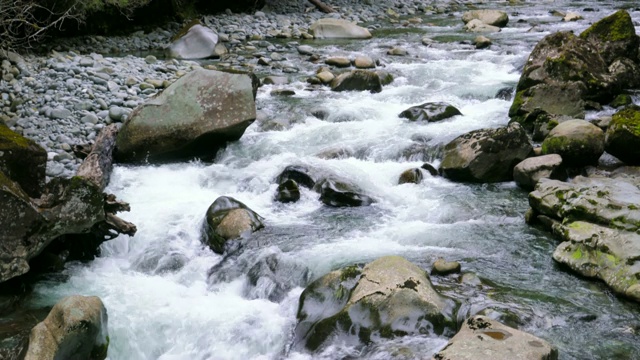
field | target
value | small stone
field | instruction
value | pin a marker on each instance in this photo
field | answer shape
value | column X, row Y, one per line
column 571, row 16
column 282, row 92
column 117, row 113
column 427, row 41
column 150, row 59
column 157, row 84
column 443, row 267
column 145, row 86
column 364, row 62
column 275, row 80
column 325, row 77
column 396, row 51
column 482, row 42
column 340, row 62
column 86, row 62
column 276, row 56
column 264, row 61
column 90, row 119
column 305, row 50
column 60, row 113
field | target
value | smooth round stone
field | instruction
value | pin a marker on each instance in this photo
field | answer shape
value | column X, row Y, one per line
column 150, row 59
column 364, row 62
column 90, row 119
column 338, row 62
column 396, row 51
column 117, row 113
column 443, row 267
column 305, row 50
column 60, row 113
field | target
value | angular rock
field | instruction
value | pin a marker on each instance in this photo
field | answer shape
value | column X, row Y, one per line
column 75, row 329
column 338, row 29
column 339, row 193
column 228, row 219
column 528, row 172
column 411, row 176
column 300, row 174
column 387, row 298
column 622, row 139
column 195, row 116
column 478, row 26
column 565, row 74
column 431, row 112
column 489, row 17
column 198, row 42
column 596, row 251
column 483, row 335
column 23, row 161
column 357, row 80
column 578, row 142
column 486, row 155
column 443, row 267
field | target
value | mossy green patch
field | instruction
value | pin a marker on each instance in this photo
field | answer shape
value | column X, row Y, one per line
column 350, row 272
column 616, row 27
column 10, row 139
column 629, row 118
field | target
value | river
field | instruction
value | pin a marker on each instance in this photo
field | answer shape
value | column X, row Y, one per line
column 162, row 303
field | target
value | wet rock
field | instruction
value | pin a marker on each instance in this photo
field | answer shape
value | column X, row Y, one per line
column 622, row 139
column 338, row 29
column 486, row 155
column 302, row 175
column 364, row 62
column 389, row 297
column 571, row 16
column 566, row 74
column 431, row 112
column 579, row 142
column 621, row 100
column 341, row 62
column 23, row 161
column 478, row 26
column 528, row 172
column 305, row 50
column 288, row 191
column 396, row 51
column 430, row 169
column 490, row 17
column 601, row 252
column 76, row 328
column 200, row 113
column 481, row 42
column 228, row 219
column 482, row 335
column 273, row 276
column 340, row 193
column 411, row 176
column 325, row 77
column 357, row 80
column 198, row 42
column 275, row 80
column 444, row 267
column 505, row 93
column 282, row 92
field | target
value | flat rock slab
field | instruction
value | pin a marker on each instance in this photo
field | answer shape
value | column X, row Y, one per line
column 483, row 338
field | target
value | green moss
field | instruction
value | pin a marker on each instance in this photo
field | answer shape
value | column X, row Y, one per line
column 615, row 27
column 99, row 352
column 629, row 118
column 577, row 254
column 621, row 100
column 551, row 124
column 10, row 139
column 350, row 272
column 632, row 207
column 551, row 145
column 518, row 101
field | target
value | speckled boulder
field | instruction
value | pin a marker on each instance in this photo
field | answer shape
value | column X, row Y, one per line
column 579, row 142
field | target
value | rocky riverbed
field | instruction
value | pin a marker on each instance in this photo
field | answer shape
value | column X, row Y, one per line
column 163, row 288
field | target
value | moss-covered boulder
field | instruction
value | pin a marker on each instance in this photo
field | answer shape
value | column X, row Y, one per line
column 388, row 297
column 75, row 329
column 596, row 251
column 431, row 112
column 194, row 117
column 228, row 219
column 483, row 335
column 566, row 74
column 622, row 139
column 23, row 161
column 578, row 142
column 486, row 155
column 357, row 80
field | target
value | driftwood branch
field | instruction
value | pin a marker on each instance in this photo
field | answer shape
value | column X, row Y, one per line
column 98, row 165
column 322, row 6
column 120, row 226
column 114, row 206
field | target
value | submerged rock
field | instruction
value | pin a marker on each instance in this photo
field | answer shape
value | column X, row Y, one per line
column 288, row 191
column 338, row 29
column 195, row 116
column 566, row 74
column 623, row 135
column 387, row 298
column 483, row 335
column 339, row 193
column 228, row 219
column 579, row 142
column 431, row 112
column 197, row 42
column 302, row 175
column 23, row 161
column 411, row 176
column 486, row 155
column 76, row 329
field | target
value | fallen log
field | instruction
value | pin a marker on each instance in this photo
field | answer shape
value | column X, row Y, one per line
column 322, row 6
column 98, row 165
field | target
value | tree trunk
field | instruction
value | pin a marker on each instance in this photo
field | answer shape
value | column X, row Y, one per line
column 322, row 6
column 98, row 165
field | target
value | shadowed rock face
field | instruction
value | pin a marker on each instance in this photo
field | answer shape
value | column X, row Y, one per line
column 388, row 297
column 482, row 335
column 195, row 116
column 228, row 219
column 23, row 161
column 565, row 74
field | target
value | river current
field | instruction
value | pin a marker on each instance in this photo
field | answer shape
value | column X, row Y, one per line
column 163, row 304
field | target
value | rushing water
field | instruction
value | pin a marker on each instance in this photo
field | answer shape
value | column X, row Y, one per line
column 163, row 304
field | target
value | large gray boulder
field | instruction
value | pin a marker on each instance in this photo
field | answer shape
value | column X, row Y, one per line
column 486, row 155
column 23, row 161
column 228, row 219
column 579, row 142
column 566, row 74
column 338, row 29
column 490, row 17
column 76, row 329
column 387, row 298
column 483, row 335
column 197, row 42
column 195, row 116
column 528, row 172
column 622, row 139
